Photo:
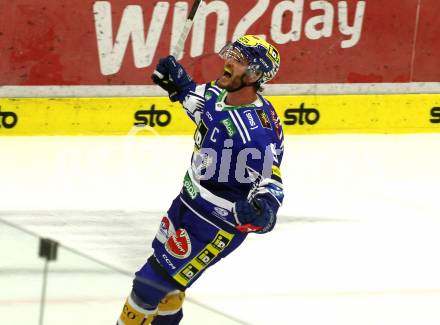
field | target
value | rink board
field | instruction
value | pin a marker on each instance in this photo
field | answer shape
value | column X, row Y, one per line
column 158, row 116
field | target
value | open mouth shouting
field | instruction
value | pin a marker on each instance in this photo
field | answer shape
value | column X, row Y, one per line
column 227, row 72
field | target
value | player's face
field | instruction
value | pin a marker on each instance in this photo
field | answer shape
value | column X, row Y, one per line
column 234, row 71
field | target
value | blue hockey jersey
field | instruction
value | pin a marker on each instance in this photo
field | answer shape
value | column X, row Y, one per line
column 237, row 154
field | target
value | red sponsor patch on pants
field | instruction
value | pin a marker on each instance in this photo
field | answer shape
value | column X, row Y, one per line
column 179, row 244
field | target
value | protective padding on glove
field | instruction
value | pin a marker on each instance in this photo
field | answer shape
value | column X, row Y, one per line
column 172, row 77
column 258, row 215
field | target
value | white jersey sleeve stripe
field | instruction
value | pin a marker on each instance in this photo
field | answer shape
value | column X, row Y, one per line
column 217, row 87
column 214, row 90
column 243, row 125
column 208, row 195
column 238, row 127
column 198, row 214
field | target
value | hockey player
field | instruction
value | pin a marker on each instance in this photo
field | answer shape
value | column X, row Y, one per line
column 233, row 186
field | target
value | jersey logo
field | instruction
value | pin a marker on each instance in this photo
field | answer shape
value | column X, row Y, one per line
column 220, row 242
column 189, row 187
column 206, row 257
column 166, row 230
column 250, row 119
column 209, row 116
column 264, row 119
column 200, row 134
column 189, row 272
column 230, row 127
column 220, row 213
column 276, row 122
column 179, row 244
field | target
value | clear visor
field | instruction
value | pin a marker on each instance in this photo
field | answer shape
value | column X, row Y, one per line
column 231, row 52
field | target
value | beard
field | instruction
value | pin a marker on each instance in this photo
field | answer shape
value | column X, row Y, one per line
column 231, row 84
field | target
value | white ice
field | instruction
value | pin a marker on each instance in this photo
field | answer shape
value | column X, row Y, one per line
column 357, row 240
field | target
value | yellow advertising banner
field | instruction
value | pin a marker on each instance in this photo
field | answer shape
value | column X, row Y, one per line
column 311, row 114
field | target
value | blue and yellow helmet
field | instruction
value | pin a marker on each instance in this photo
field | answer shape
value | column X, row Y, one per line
column 263, row 58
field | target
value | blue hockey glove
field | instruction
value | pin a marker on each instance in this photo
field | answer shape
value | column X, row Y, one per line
column 258, row 216
column 172, row 77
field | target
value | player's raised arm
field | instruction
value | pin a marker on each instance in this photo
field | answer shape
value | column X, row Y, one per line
column 172, row 77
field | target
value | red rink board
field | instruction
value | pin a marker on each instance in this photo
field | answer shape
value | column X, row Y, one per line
column 427, row 55
column 56, row 42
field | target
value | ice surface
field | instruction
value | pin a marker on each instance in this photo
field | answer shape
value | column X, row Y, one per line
column 357, row 239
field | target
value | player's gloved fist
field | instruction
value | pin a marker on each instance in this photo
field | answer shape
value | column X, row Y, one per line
column 255, row 216
column 172, row 77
